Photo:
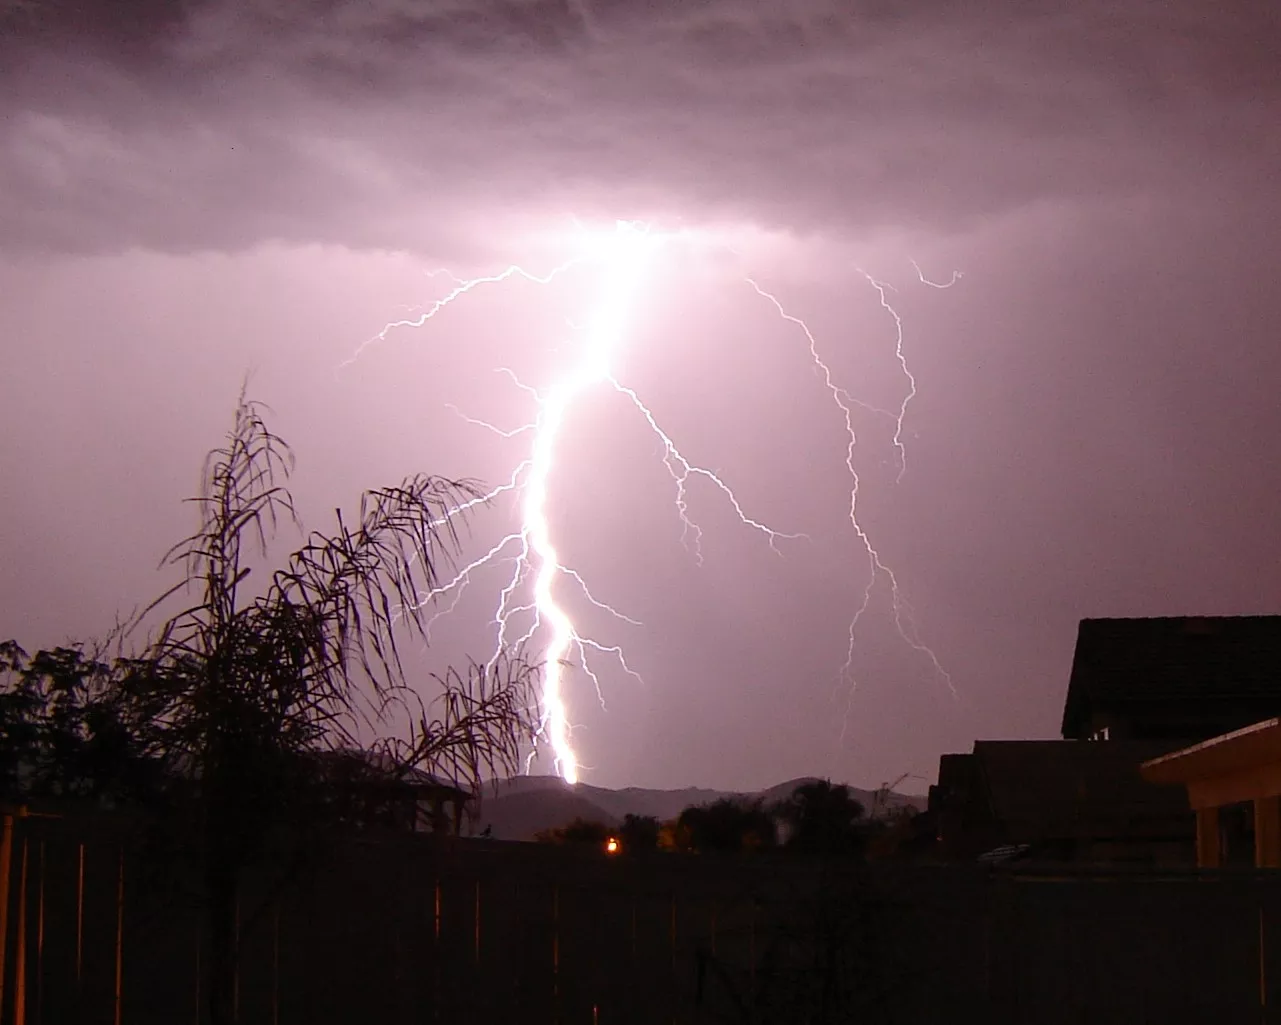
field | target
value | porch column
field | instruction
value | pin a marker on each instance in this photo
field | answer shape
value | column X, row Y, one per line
column 1207, row 838
column 1267, row 832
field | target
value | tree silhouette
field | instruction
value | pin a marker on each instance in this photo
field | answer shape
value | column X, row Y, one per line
column 823, row 818
column 581, row 831
column 728, row 824
column 68, row 730
column 638, row 833
column 238, row 695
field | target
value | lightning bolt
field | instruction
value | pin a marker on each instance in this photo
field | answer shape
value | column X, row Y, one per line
column 920, row 274
column 624, row 256
column 879, row 570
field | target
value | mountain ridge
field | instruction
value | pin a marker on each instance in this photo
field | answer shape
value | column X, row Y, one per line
column 520, row 807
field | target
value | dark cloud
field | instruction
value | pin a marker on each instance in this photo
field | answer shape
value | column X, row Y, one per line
column 224, row 124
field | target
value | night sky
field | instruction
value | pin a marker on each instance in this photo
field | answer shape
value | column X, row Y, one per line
column 190, row 193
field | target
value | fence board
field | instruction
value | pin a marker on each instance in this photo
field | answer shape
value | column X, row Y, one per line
column 411, row 931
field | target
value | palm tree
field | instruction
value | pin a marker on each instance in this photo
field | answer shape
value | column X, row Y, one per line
column 246, row 686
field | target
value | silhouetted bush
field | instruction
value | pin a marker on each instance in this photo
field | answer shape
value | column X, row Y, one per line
column 579, row 832
column 727, row 825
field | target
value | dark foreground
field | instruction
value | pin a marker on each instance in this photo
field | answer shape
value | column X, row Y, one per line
column 415, row 930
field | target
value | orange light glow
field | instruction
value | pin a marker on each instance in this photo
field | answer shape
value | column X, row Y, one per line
column 612, row 846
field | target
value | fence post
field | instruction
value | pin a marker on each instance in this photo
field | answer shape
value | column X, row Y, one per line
column 1263, row 967
column 80, row 921
column 7, row 829
column 20, row 955
column 556, row 953
column 40, row 941
column 6, row 860
column 120, row 939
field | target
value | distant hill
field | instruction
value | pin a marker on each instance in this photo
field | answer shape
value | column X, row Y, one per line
column 520, row 815
column 518, row 808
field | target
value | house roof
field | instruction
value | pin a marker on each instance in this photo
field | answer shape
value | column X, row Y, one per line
column 1120, row 660
column 387, row 772
column 1062, row 787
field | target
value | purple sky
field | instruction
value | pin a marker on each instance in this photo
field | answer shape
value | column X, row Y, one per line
column 260, row 186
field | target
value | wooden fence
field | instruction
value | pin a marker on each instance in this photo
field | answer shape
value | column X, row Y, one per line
column 411, row 930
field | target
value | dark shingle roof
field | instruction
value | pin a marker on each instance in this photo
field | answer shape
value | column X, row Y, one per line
column 387, row 770
column 1177, row 657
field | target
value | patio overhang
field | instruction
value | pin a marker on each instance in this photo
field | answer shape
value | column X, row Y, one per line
column 1240, row 766
column 1244, row 765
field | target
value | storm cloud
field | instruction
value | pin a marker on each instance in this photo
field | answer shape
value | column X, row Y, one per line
column 221, row 125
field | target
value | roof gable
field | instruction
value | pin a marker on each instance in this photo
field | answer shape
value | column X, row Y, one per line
column 1128, row 660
